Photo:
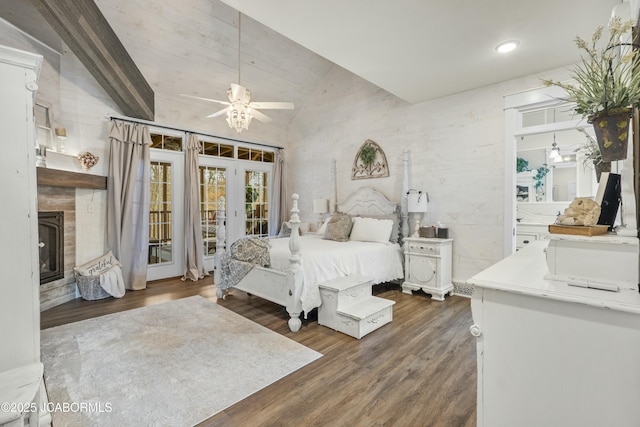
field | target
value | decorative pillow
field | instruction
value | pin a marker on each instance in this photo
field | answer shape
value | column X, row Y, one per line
column 285, row 230
column 338, row 227
column 395, row 231
column 371, row 230
column 98, row 265
column 251, row 249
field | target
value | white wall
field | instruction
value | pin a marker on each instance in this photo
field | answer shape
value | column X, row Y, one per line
column 456, row 143
column 457, row 155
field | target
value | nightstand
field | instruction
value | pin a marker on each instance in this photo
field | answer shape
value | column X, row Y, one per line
column 427, row 266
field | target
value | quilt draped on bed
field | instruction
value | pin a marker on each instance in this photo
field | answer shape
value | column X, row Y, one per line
column 241, row 257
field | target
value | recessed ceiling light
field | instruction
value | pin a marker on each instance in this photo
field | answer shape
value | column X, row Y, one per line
column 507, row 46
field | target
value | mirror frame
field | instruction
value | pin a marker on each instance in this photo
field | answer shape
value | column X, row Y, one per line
column 515, row 106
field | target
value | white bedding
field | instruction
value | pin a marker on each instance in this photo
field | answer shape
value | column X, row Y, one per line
column 324, row 260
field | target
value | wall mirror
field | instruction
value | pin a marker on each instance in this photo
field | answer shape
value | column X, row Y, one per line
column 538, row 187
column 548, row 168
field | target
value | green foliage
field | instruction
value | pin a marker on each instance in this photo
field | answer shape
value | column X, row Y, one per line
column 589, row 152
column 522, row 165
column 541, row 172
column 604, row 82
column 368, row 155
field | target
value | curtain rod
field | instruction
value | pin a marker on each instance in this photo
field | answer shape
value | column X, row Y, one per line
column 147, row 122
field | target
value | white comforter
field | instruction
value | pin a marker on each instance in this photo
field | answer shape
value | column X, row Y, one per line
column 324, row 260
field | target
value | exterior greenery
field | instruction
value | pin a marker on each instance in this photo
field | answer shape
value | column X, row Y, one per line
column 604, row 82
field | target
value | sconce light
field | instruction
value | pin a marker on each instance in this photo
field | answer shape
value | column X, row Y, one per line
column 320, row 207
column 417, row 204
column 61, row 135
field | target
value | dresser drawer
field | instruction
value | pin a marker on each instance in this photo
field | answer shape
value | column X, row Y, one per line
column 424, row 248
column 522, row 239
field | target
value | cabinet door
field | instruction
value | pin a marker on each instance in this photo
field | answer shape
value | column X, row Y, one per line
column 423, row 270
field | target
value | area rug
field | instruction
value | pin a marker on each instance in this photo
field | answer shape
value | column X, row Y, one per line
column 171, row 364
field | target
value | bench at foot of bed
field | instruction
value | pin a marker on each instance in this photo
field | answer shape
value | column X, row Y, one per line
column 349, row 307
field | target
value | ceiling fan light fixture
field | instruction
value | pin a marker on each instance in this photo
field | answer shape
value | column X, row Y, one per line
column 238, row 117
column 507, row 46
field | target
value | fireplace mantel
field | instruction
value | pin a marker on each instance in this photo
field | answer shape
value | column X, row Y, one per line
column 62, row 178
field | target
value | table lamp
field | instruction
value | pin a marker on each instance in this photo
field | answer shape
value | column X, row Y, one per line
column 320, row 207
column 417, row 205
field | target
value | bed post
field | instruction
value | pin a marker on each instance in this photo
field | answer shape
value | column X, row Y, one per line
column 220, row 247
column 404, row 214
column 334, row 171
column 294, row 273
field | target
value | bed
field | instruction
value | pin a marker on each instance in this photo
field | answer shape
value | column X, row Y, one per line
column 299, row 264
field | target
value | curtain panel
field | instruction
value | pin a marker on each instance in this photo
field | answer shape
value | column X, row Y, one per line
column 128, row 200
column 278, row 195
column 193, row 245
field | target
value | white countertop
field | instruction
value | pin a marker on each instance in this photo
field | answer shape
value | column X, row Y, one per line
column 524, row 271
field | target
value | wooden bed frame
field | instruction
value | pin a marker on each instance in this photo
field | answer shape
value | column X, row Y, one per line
column 286, row 288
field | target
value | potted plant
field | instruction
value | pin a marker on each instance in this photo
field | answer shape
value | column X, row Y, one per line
column 606, row 88
column 589, row 153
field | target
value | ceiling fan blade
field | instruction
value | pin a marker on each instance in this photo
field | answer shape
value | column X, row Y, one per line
column 260, row 116
column 205, row 99
column 218, row 113
column 272, row 105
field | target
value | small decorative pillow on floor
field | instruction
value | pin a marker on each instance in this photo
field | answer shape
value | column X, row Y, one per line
column 98, row 265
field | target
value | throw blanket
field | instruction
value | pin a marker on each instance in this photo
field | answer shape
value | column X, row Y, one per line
column 111, row 281
column 241, row 257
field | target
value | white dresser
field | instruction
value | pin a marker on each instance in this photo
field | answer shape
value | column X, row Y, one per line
column 428, row 266
column 550, row 354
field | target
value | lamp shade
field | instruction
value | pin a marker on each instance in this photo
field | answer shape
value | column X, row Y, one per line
column 320, row 206
column 417, row 202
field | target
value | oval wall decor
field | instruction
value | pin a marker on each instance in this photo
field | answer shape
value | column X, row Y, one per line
column 370, row 162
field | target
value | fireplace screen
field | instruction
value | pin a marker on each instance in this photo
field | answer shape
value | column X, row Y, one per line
column 51, row 243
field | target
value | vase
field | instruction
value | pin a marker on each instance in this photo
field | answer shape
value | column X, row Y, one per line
column 602, row 167
column 612, row 133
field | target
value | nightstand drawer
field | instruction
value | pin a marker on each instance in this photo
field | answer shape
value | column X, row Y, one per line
column 424, row 248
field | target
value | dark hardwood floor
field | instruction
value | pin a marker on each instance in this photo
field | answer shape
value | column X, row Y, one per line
column 419, row 370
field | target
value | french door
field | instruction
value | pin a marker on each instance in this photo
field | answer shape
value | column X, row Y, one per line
column 166, row 215
column 231, row 175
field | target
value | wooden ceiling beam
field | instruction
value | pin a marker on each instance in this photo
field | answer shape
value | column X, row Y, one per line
column 81, row 25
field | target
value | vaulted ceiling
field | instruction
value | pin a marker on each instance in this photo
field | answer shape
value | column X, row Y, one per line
column 415, row 49
column 421, row 50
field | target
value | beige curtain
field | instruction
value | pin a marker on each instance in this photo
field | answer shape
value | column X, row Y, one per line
column 128, row 200
column 193, row 246
column 278, row 197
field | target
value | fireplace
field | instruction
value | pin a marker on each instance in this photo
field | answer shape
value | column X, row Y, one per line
column 51, row 243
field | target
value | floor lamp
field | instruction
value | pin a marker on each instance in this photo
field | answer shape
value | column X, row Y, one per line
column 417, row 205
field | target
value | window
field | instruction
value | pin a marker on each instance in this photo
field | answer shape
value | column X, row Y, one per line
column 213, row 187
column 217, row 149
column 166, row 142
column 256, row 204
column 160, row 214
column 256, row 155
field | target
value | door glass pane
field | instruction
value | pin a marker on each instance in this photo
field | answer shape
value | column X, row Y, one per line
column 256, row 204
column 160, row 221
column 213, row 186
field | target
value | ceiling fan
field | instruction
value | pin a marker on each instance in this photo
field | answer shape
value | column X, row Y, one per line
column 239, row 109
